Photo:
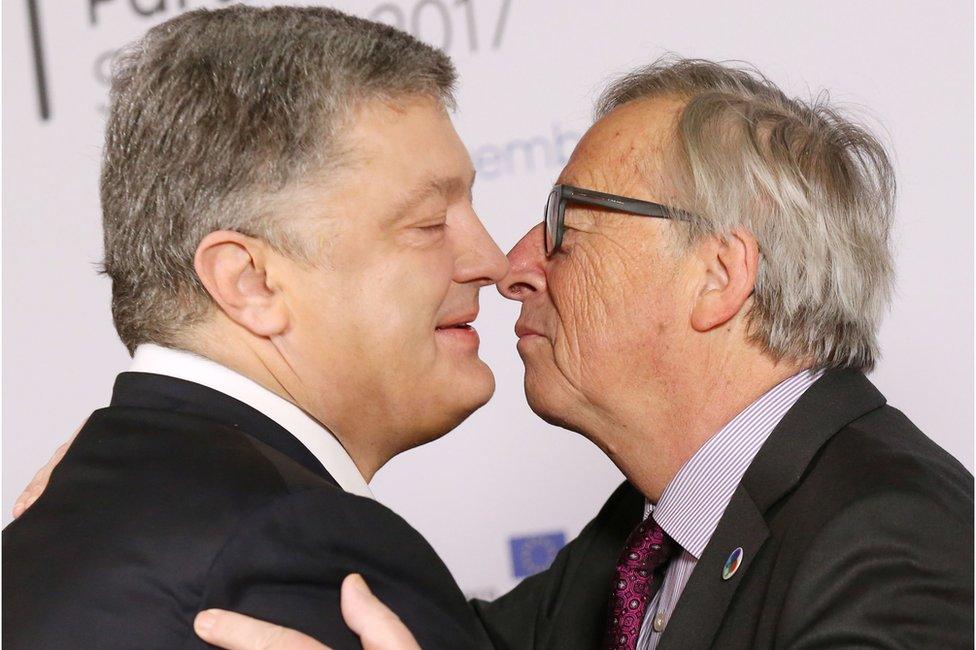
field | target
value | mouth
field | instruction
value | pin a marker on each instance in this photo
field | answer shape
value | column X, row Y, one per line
column 458, row 328
column 523, row 331
column 460, row 321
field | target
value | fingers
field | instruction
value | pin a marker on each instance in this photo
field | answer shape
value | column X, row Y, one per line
column 377, row 626
column 39, row 482
column 233, row 631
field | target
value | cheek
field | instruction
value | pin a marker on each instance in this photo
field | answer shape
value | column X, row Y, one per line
column 407, row 295
column 582, row 324
column 398, row 283
column 612, row 312
column 379, row 305
column 587, row 297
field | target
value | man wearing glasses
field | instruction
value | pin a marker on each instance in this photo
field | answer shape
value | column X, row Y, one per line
column 716, row 353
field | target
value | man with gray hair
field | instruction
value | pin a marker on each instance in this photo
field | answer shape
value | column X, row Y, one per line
column 716, row 352
column 295, row 264
column 702, row 301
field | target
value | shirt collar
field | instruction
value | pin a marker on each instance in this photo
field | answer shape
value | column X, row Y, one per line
column 312, row 434
column 693, row 502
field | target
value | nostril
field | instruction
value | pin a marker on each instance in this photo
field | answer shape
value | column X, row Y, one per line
column 515, row 290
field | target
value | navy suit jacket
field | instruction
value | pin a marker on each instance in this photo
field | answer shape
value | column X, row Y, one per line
column 177, row 498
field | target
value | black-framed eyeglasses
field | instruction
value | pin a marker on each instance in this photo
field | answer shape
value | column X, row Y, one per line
column 563, row 194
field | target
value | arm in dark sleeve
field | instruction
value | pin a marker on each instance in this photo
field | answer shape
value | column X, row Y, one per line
column 892, row 571
column 285, row 564
column 566, row 605
column 515, row 620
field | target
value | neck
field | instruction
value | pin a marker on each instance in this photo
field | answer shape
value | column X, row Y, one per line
column 650, row 450
column 259, row 359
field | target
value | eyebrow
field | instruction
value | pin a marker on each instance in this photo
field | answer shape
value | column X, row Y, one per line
column 436, row 186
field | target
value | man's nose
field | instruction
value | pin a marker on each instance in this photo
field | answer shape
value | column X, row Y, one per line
column 526, row 273
column 481, row 260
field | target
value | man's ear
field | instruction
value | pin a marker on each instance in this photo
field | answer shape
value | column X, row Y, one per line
column 730, row 265
column 233, row 269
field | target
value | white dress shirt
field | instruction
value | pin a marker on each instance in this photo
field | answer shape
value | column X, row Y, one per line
column 694, row 501
column 311, row 433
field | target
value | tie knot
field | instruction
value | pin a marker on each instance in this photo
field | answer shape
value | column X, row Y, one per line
column 647, row 548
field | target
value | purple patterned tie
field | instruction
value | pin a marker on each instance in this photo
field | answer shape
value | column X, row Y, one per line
column 648, row 548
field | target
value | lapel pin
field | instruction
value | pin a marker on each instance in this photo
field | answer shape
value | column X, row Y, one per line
column 732, row 564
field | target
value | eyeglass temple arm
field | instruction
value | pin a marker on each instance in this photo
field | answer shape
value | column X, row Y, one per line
column 623, row 204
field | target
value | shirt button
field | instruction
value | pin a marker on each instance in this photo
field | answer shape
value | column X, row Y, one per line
column 659, row 622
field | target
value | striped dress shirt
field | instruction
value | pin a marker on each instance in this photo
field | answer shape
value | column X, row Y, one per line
column 693, row 502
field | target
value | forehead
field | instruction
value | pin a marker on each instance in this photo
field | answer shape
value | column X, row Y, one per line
column 626, row 151
column 405, row 143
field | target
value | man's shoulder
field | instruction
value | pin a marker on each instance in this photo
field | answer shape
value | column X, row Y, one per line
column 879, row 528
column 189, row 453
column 882, row 461
column 145, row 478
column 883, row 451
column 183, row 468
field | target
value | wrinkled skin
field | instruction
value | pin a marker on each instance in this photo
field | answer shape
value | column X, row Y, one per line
column 628, row 335
column 606, row 303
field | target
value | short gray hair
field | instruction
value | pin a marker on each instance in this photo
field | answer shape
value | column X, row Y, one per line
column 816, row 190
column 213, row 114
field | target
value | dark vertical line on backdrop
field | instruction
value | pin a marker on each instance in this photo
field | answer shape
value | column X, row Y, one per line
column 500, row 27
column 43, row 105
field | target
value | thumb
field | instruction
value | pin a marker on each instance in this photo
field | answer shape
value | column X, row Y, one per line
column 377, row 626
column 233, row 631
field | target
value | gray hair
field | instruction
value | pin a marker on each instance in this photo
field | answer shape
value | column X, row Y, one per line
column 816, row 190
column 213, row 114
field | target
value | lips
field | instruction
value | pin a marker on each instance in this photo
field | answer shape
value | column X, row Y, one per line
column 461, row 326
column 459, row 321
column 456, row 330
column 522, row 330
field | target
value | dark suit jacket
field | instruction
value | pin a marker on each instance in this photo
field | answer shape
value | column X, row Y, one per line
column 857, row 532
column 177, row 498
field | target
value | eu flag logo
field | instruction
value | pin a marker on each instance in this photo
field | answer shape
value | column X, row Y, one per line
column 535, row 553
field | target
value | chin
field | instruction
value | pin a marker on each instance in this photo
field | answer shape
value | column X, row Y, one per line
column 540, row 406
column 474, row 387
column 543, row 403
column 469, row 391
column 452, row 402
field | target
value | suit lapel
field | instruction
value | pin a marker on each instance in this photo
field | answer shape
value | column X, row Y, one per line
column 707, row 595
column 838, row 398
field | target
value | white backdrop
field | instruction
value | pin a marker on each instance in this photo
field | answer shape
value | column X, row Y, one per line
column 530, row 71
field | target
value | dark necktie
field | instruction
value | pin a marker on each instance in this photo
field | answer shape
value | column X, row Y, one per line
column 636, row 581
